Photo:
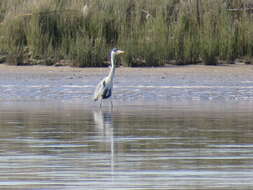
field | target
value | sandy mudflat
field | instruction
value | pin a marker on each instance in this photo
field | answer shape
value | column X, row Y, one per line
column 226, row 70
column 146, row 85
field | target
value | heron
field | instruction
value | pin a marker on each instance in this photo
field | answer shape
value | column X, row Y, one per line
column 104, row 87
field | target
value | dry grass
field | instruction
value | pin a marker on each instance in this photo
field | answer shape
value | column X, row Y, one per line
column 153, row 32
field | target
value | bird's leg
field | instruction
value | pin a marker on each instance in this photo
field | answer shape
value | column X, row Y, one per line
column 101, row 103
column 111, row 105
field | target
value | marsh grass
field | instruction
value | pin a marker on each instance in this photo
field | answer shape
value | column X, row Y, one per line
column 152, row 32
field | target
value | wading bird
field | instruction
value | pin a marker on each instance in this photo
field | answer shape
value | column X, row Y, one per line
column 104, row 88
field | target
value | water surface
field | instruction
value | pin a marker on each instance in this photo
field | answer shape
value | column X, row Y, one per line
column 192, row 83
column 191, row 146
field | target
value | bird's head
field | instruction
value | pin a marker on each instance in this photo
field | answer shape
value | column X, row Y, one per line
column 116, row 51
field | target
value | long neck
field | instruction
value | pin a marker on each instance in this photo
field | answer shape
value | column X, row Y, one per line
column 112, row 72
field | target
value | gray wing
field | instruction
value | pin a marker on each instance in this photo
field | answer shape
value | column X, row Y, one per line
column 99, row 90
column 107, row 92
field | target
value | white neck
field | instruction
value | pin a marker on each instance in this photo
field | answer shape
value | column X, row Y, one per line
column 112, row 72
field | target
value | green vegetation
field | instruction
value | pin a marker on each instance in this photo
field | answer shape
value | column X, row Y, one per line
column 152, row 32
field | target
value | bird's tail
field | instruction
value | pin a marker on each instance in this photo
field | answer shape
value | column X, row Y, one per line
column 95, row 98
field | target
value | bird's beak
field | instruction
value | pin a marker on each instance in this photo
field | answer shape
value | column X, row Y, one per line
column 120, row 52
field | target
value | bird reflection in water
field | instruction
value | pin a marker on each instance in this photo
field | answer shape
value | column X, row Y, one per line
column 104, row 124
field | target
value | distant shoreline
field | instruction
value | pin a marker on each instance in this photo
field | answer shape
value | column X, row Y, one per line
column 132, row 86
column 225, row 69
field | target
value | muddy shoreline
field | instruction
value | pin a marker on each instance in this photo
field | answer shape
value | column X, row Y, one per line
column 131, row 85
column 186, row 69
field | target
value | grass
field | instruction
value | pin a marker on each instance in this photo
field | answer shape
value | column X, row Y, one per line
column 152, row 32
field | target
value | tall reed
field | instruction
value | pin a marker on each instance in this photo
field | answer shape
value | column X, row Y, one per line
column 153, row 32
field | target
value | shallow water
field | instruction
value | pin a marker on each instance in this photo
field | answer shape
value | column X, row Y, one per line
column 190, row 146
column 130, row 85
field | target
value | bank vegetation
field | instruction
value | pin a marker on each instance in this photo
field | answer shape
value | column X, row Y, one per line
column 152, row 32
